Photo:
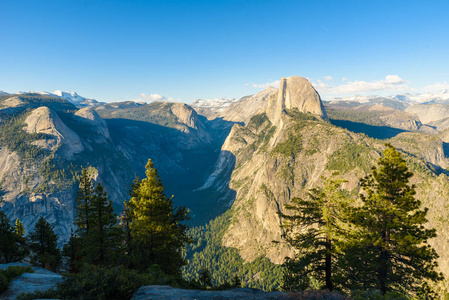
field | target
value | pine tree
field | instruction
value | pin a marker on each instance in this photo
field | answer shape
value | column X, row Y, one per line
column 236, row 282
column 72, row 253
column 205, row 278
column 314, row 229
column 83, row 202
column 157, row 235
column 98, row 234
column 20, row 230
column 391, row 237
column 12, row 246
column 44, row 245
column 104, row 236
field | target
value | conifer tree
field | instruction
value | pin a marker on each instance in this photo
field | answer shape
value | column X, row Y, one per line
column 98, row 234
column 44, row 245
column 157, row 234
column 315, row 229
column 72, row 253
column 236, row 282
column 83, row 203
column 12, row 246
column 104, row 236
column 19, row 229
column 391, row 237
column 205, row 278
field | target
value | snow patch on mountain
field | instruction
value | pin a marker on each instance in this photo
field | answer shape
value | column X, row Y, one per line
column 359, row 99
column 216, row 104
column 416, row 98
column 72, row 97
column 441, row 96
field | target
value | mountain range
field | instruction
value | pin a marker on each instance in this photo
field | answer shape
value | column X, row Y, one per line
column 245, row 158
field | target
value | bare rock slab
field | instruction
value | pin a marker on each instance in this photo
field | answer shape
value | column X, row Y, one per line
column 165, row 292
column 40, row 280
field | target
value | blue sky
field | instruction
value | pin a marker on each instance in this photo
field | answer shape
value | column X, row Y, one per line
column 184, row 50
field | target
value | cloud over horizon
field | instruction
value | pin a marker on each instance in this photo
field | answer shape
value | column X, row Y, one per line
column 153, row 97
column 390, row 82
column 267, row 84
column 437, row 86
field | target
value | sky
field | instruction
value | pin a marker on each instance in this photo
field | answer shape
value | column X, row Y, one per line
column 184, row 50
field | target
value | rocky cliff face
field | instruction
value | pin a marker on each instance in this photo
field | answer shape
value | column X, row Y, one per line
column 429, row 112
column 295, row 92
column 44, row 120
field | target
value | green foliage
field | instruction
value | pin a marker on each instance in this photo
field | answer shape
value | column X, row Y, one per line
column 8, row 274
column 19, row 229
column 4, row 283
column 358, row 116
column 236, row 282
column 204, row 278
column 12, row 246
column 157, row 234
column 258, row 120
column 55, row 103
column 94, row 282
column 98, row 236
column 57, row 173
column 377, row 295
column 316, row 295
column 315, row 228
column 71, row 253
column 389, row 250
column 48, row 294
column 349, row 157
column 17, row 139
column 225, row 263
column 155, row 112
column 44, row 245
column 290, row 147
column 299, row 116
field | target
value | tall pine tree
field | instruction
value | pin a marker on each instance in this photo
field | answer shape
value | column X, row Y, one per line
column 104, row 236
column 315, row 228
column 98, row 236
column 157, row 234
column 83, row 202
column 44, row 245
column 391, row 237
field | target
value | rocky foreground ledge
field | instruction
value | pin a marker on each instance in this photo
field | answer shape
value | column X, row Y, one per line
column 165, row 292
column 40, row 280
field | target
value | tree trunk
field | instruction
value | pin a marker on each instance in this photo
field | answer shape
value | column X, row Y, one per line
column 328, row 263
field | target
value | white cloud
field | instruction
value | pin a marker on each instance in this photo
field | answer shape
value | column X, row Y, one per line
column 437, row 86
column 344, row 79
column 154, row 97
column 246, row 84
column 390, row 82
column 267, row 84
column 328, row 78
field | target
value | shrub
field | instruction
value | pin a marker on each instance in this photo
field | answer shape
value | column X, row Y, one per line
column 371, row 294
column 4, row 283
column 48, row 294
column 316, row 295
column 8, row 274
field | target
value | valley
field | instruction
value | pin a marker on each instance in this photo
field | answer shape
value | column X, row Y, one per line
column 234, row 165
